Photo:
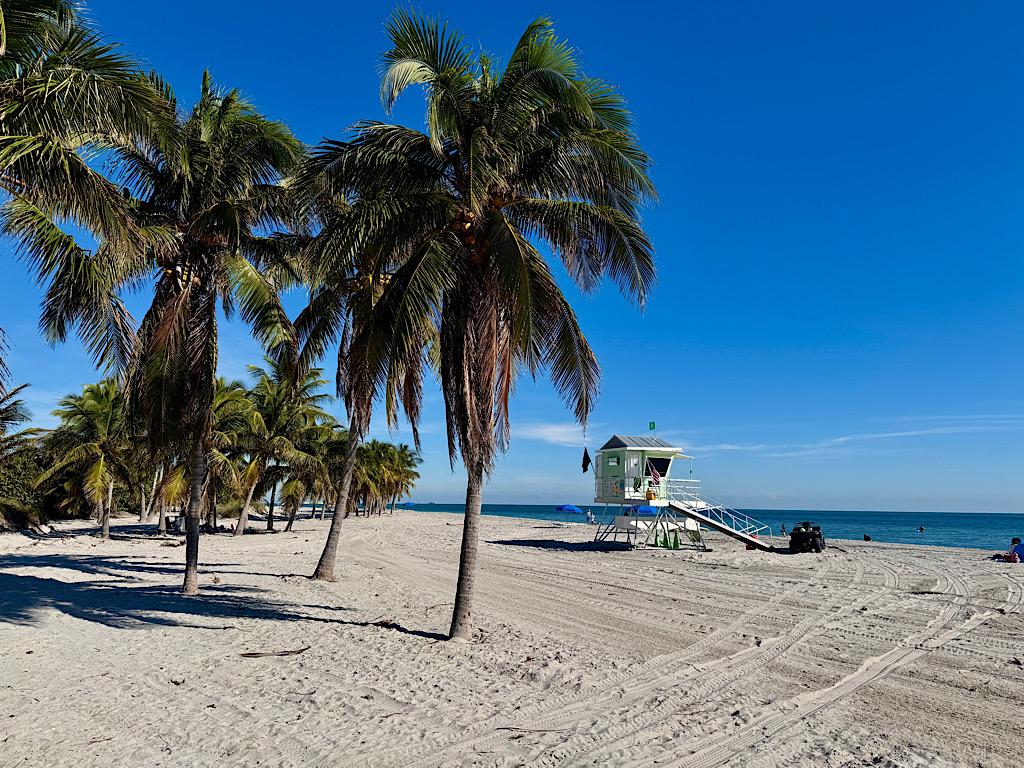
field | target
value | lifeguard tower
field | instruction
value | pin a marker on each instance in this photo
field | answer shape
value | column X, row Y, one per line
column 649, row 503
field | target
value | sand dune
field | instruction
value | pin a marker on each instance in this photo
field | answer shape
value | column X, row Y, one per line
column 870, row 654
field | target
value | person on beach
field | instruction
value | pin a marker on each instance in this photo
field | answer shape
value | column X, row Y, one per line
column 1016, row 552
column 783, row 529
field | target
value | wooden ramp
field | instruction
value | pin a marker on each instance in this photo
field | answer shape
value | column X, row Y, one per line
column 724, row 520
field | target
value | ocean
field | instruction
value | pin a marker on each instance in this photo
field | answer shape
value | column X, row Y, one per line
column 943, row 529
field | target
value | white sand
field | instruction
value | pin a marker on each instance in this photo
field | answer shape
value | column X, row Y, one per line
column 872, row 654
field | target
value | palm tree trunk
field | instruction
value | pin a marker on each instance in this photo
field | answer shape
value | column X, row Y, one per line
column 291, row 518
column 161, row 525
column 273, row 496
column 99, row 515
column 462, row 616
column 105, row 512
column 325, row 568
column 209, row 522
column 151, row 503
column 243, row 518
column 195, row 511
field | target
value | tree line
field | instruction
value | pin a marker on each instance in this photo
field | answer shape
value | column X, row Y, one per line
column 418, row 250
column 271, row 439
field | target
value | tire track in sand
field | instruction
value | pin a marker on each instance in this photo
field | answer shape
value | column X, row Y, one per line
column 719, row 675
column 634, row 683
column 916, row 645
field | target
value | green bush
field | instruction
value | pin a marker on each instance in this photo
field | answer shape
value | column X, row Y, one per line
column 16, row 477
column 14, row 515
column 233, row 507
column 21, row 505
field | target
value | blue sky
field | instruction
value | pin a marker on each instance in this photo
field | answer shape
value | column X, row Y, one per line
column 839, row 321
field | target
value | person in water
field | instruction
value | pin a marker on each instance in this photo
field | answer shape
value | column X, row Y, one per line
column 921, row 529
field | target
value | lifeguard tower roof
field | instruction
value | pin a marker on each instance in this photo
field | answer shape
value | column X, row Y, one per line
column 629, row 441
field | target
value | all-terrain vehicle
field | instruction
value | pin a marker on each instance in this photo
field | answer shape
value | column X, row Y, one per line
column 806, row 538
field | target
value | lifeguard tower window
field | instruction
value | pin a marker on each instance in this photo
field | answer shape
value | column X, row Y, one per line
column 661, row 465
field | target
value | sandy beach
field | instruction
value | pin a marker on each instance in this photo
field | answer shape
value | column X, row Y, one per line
column 870, row 654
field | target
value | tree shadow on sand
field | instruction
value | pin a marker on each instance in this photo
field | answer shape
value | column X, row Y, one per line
column 123, row 600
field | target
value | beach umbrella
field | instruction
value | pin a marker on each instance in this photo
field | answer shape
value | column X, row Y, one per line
column 409, row 504
column 644, row 509
column 569, row 508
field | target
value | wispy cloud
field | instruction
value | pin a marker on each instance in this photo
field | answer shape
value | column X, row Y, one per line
column 556, row 433
column 680, row 439
column 721, row 447
column 984, row 418
column 911, row 426
column 953, row 429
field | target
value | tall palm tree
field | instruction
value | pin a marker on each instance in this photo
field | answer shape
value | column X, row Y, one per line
column 347, row 266
column 215, row 196
column 200, row 201
column 92, row 439
column 533, row 151
column 14, row 412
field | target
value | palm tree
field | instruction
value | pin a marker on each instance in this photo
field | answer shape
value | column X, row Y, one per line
column 92, row 440
column 347, row 266
column 13, row 412
column 532, row 151
column 215, row 197
column 370, row 477
column 232, row 415
column 310, row 477
column 66, row 96
column 403, row 462
column 287, row 421
column 200, row 208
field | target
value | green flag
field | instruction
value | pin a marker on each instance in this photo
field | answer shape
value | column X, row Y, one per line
column 652, row 426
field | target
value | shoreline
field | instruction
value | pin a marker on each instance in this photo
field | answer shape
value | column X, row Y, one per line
column 86, row 528
column 870, row 651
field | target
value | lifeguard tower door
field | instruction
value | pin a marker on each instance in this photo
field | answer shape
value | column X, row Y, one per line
column 632, row 469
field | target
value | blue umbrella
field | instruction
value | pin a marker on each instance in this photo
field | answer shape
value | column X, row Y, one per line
column 569, row 508
column 409, row 504
column 643, row 509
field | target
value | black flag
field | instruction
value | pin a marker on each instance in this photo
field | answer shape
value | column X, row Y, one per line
column 586, row 459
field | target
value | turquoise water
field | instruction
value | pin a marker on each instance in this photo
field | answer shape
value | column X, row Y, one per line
column 943, row 529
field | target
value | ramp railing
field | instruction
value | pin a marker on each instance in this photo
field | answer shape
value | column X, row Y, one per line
column 682, row 493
